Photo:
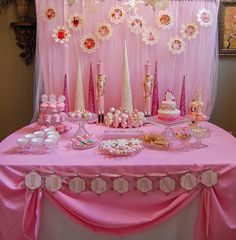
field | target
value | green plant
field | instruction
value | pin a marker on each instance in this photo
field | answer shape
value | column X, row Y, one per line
column 4, row 5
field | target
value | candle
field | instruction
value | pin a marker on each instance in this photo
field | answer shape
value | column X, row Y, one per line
column 147, row 68
column 100, row 67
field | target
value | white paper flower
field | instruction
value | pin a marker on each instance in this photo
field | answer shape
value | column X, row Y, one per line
column 53, row 183
column 49, row 13
column 209, row 178
column 150, row 36
column 117, row 14
column 98, row 185
column 188, row 181
column 167, row 184
column 136, row 24
column 164, row 19
column 75, row 22
column 77, row 185
column 144, row 185
column 104, row 31
column 33, row 180
column 61, row 34
column 189, row 30
column 204, row 17
column 176, row 45
column 121, row 185
column 89, row 43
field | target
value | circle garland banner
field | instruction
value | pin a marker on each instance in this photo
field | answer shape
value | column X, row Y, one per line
column 121, row 183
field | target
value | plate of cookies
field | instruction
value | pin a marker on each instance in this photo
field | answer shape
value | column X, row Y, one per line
column 156, row 141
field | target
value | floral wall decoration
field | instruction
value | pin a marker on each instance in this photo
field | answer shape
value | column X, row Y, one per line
column 75, row 22
column 89, row 43
column 61, row 34
column 104, row 31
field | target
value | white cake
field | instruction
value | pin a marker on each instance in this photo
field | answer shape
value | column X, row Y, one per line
column 168, row 110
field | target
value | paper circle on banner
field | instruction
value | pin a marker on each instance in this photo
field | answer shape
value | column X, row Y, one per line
column 98, row 185
column 121, row 185
column 61, row 34
column 150, row 36
column 164, row 19
column 89, row 43
column 104, row 31
column 144, row 184
column 204, row 17
column 33, row 180
column 209, row 178
column 75, row 22
column 189, row 30
column 117, row 14
column 167, row 184
column 136, row 24
column 53, row 183
column 176, row 45
column 188, row 181
column 77, row 185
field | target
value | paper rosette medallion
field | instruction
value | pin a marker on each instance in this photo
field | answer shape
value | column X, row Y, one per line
column 188, row 181
column 164, row 19
column 144, row 184
column 61, row 34
column 98, row 185
column 209, row 178
column 104, row 31
column 53, row 183
column 204, row 17
column 75, row 22
column 167, row 184
column 33, row 180
column 189, row 30
column 136, row 24
column 49, row 14
column 121, row 185
column 117, row 14
column 150, row 36
column 77, row 185
column 89, row 43
column 176, row 45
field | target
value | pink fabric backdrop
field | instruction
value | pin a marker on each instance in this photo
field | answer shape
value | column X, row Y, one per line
column 20, row 209
column 198, row 62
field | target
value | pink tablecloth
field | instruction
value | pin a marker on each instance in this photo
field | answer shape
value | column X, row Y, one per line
column 20, row 208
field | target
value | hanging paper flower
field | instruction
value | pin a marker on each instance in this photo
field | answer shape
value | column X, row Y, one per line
column 61, row 34
column 150, row 36
column 75, row 22
column 204, row 17
column 48, row 14
column 117, row 14
column 136, row 24
column 164, row 19
column 132, row 5
column 71, row 2
column 89, row 43
column 104, row 31
column 157, row 4
column 176, row 45
column 189, row 30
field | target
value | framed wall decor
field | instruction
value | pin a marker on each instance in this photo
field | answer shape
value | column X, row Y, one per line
column 227, row 27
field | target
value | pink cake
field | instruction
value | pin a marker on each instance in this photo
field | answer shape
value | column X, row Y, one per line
column 168, row 110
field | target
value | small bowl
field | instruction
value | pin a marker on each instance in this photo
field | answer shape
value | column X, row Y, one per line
column 22, row 142
column 30, row 136
column 39, row 133
column 36, row 142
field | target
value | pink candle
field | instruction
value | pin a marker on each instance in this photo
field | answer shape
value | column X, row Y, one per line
column 147, row 68
column 100, row 67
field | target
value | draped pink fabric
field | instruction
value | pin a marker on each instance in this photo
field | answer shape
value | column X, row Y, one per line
column 198, row 62
column 20, row 209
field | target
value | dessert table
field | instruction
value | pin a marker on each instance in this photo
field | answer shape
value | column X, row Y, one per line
column 132, row 211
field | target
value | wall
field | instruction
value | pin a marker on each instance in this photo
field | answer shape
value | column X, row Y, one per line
column 16, row 85
column 16, row 80
column 224, row 113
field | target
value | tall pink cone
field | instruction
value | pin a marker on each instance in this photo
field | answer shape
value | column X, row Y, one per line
column 91, row 97
column 182, row 100
column 66, row 94
column 155, row 96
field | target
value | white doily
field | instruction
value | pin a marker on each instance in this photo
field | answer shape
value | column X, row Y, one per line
column 61, row 34
column 150, row 36
column 204, row 17
column 89, row 43
column 136, row 24
column 189, row 30
column 176, row 45
column 75, row 22
column 117, row 14
column 164, row 19
column 104, row 31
